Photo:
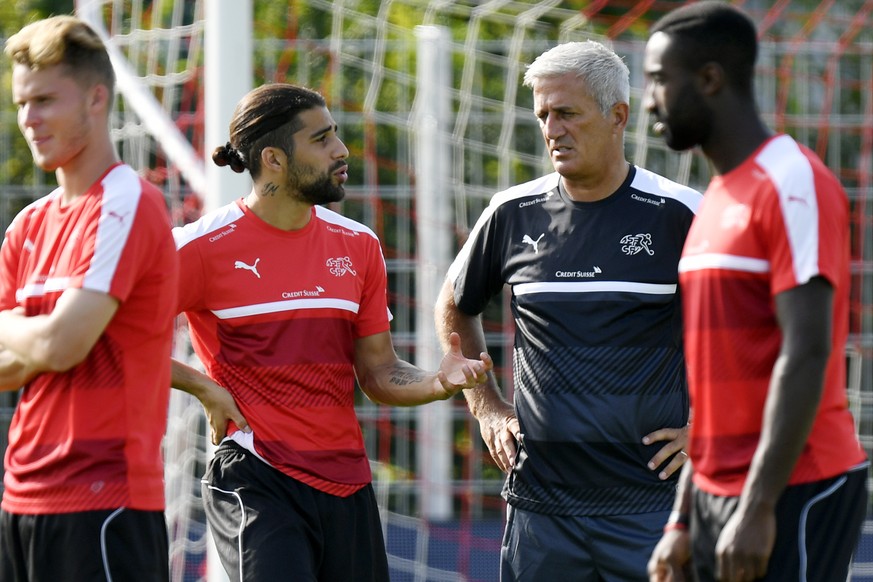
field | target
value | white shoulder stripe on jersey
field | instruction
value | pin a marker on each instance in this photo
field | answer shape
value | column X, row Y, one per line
column 594, row 287
column 533, row 188
column 122, row 191
column 337, row 219
column 792, row 176
column 206, row 224
column 288, row 305
column 721, row 261
column 657, row 185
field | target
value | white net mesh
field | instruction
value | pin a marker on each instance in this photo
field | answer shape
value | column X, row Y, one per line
column 816, row 70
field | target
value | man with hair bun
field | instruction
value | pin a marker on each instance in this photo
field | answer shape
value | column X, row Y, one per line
column 776, row 485
column 88, row 279
column 287, row 306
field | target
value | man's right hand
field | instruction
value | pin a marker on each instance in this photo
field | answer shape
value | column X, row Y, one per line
column 217, row 402
column 221, row 409
column 671, row 560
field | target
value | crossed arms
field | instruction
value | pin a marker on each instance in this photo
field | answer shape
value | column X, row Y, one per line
column 53, row 342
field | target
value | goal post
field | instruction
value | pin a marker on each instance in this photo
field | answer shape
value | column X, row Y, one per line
column 433, row 204
column 228, row 77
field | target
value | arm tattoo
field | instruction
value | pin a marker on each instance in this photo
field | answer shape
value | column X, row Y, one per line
column 270, row 189
column 403, row 376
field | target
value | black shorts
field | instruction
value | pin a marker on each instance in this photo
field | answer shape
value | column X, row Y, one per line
column 286, row 530
column 115, row 545
column 817, row 529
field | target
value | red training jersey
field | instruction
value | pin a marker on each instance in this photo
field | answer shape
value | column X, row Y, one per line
column 90, row 438
column 274, row 316
column 771, row 224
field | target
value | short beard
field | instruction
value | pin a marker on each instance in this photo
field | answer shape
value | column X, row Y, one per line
column 322, row 191
column 691, row 129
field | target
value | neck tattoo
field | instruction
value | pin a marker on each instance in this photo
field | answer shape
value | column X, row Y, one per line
column 269, row 189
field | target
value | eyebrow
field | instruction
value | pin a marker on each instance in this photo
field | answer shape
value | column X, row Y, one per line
column 321, row 132
column 40, row 92
column 557, row 109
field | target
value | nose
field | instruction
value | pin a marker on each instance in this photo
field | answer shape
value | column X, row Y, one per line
column 27, row 116
column 649, row 97
column 552, row 127
column 342, row 151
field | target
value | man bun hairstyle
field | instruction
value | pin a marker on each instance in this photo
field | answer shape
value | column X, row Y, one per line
column 265, row 117
column 713, row 31
column 227, row 155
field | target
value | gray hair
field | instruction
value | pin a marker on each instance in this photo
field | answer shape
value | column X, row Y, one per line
column 603, row 71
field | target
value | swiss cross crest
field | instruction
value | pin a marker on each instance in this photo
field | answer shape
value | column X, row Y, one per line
column 633, row 244
column 340, row 266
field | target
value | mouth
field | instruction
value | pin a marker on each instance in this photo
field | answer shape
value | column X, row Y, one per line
column 342, row 173
column 38, row 141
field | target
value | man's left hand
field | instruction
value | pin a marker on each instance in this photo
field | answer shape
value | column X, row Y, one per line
column 676, row 439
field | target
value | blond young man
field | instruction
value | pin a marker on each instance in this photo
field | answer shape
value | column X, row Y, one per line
column 88, row 278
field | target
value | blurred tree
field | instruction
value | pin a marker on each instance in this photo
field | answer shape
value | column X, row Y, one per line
column 16, row 13
column 52, row 7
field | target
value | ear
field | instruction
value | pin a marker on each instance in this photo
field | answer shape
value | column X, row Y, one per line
column 273, row 159
column 711, row 78
column 619, row 115
column 99, row 98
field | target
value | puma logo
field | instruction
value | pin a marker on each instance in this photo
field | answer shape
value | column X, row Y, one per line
column 117, row 216
column 253, row 268
column 534, row 243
